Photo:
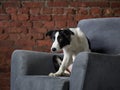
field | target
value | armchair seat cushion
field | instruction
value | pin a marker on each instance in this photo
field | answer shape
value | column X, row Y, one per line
column 41, row 83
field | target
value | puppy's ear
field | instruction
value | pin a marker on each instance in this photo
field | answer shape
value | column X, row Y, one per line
column 68, row 32
column 49, row 33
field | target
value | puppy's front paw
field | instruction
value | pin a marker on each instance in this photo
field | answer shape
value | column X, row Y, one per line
column 54, row 74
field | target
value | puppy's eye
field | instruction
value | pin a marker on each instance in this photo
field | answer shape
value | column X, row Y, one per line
column 60, row 39
column 53, row 38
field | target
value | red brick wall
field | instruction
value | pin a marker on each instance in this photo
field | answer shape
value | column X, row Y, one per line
column 23, row 24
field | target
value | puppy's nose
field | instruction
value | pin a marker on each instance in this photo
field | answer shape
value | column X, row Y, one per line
column 53, row 49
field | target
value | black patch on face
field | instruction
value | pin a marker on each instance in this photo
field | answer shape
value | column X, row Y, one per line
column 64, row 37
column 51, row 34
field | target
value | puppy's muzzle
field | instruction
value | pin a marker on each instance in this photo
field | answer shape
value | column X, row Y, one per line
column 53, row 49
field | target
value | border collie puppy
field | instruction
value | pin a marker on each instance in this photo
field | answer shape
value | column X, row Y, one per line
column 71, row 41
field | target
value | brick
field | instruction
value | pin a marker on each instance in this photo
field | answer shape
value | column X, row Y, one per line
column 26, row 48
column 82, row 11
column 80, row 17
column 26, row 36
column 4, row 75
column 4, row 24
column 32, row 36
column 1, row 30
column 58, row 11
column 4, row 17
column 95, row 11
column 37, row 36
column 2, row 11
column 34, row 11
column 71, row 23
column 15, row 24
column 6, row 43
column 14, row 37
column 2, row 57
column 70, row 11
column 4, row 82
column 57, row 4
column 23, row 10
column 117, row 12
column 49, row 24
column 5, row 88
column 11, row 4
column 37, row 24
column 38, row 30
column 115, row 4
column 33, row 4
column 45, row 17
column 42, row 48
column 41, row 18
column 24, row 42
column 98, row 4
column 16, row 30
column 8, row 59
column 108, row 12
column 20, row 17
column 23, row 17
column 59, row 17
column 89, row 4
column 14, row 17
column 35, row 18
column 60, row 24
column 70, row 17
column 3, row 36
column 43, row 43
column 77, row 4
column 46, row 11
column 5, row 68
column 4, row 54
column 11, row 10
column 26, row 24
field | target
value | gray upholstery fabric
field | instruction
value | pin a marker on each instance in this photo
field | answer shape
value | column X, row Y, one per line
column 103, row 34
column 31, row 63
column 94, row 71
column 97, row 71
column 79, row 71
column 41, row 83
column 103, row 72
column 91, row 71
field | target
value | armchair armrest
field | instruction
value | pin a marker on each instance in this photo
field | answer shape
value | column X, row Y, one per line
column 30, row 63
column 42, row 83
column 93, row 71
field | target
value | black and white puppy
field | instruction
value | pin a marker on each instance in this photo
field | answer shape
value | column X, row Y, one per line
column 71, row 41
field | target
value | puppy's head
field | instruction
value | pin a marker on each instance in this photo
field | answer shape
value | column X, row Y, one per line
column 60, row 38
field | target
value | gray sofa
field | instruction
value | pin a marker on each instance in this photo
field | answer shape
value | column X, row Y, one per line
column 96, row 70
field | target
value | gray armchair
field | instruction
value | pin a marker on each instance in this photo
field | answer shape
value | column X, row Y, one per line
column 96, row 70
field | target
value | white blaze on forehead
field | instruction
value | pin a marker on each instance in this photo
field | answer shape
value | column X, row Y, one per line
column 56, row 35
column 56, row 43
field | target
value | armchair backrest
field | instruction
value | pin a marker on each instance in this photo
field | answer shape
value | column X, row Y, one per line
column 103, row 34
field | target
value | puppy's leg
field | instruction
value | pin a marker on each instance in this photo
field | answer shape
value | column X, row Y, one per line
column 57, row 60
column 67, row 60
